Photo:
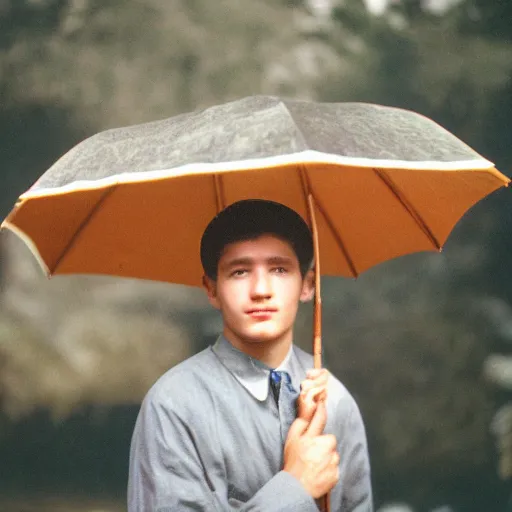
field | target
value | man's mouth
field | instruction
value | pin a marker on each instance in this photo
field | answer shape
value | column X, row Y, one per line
column 261, row 312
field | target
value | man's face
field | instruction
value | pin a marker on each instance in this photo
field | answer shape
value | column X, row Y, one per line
column 258, row 289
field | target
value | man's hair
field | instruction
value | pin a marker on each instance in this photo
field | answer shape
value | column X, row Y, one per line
column 249, row 219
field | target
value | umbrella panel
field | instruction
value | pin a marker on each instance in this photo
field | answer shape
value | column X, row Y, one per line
column 441, row 198
column 146, row 229
column 360, row 211
column 48, row 224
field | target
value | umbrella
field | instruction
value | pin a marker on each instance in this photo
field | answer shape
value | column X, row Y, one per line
column 373, row 182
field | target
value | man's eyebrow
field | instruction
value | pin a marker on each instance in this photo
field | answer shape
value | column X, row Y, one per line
column 280, row 260
column 238, row 261
column 273, row 260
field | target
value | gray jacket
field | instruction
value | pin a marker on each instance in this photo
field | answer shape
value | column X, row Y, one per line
column 209, row 437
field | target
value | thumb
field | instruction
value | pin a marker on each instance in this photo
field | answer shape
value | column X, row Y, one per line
column 317, row 424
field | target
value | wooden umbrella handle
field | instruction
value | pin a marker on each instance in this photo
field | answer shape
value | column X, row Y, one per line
column 317, row 309
column 324, row 501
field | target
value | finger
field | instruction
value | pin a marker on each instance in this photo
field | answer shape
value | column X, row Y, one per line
column 323, row 378
column 335, row 459
column 307, row 402
column 297, row 428
column 321, row 397
column 321, row 382
column 320, row 376
column 310, row 385
column 317, row 425
column 327, row 442
column 314, row 394
column 318, row 373
column 306, row 385
column 306, row 407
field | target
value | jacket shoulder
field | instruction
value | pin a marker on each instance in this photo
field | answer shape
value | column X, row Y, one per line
column 184, row 382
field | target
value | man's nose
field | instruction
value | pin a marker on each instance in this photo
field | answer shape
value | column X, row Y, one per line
column 262, row 285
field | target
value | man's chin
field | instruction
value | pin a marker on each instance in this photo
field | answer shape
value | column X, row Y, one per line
column 263, row 336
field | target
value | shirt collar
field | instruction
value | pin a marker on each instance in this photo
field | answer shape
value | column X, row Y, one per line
column 252, row 374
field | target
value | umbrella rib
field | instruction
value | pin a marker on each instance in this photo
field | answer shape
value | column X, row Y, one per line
column 219, row 193
column 338, row 239
column 82, row 225
column 307, row 189
column 408, row 206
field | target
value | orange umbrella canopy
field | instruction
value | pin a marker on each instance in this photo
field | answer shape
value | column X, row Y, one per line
column 134, row 201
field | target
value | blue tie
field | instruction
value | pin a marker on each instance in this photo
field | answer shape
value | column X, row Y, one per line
column 275, row 382
column 286, row 398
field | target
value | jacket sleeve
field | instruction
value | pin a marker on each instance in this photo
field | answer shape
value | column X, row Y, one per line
column 168, row 474
column 356, row 490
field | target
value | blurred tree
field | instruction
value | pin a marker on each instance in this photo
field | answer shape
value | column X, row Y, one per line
column 489, row 18
column 27, row 17
column 32, row 137
column 412, row 9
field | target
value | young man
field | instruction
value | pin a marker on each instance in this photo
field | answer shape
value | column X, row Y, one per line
column 228, row 429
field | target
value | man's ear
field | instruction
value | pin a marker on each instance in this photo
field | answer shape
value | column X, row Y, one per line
column 308, row 286
column 210, row 287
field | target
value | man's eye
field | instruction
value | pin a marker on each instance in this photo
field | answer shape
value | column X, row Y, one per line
column 279, row 270
column 239, row 272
